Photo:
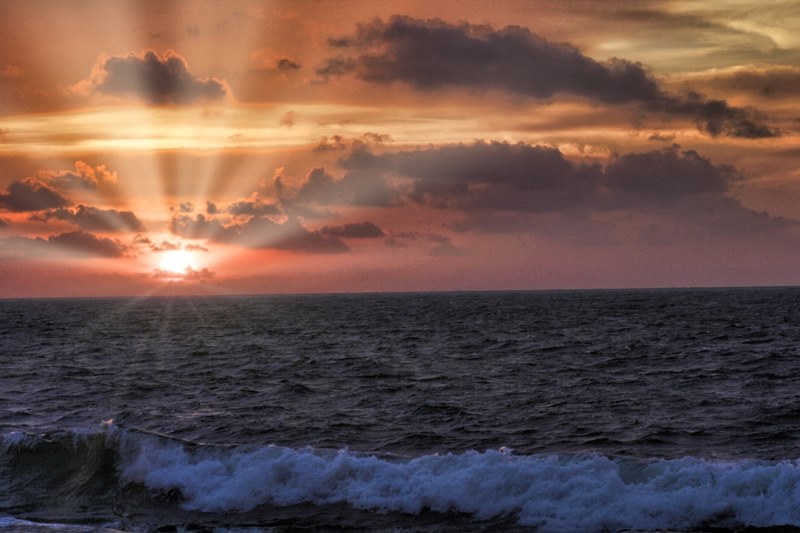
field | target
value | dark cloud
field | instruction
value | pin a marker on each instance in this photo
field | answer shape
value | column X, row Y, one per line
column 359, row 230
column 211, row 208
column 662, row 177
column 661, row 137
column 4, row 222
column 432, row 54
column 358, row 187
column 258, row 232
column 507, row 188
column 31, row 194
column 95, row 219
column 252, row 207
column 156, row 80
column 186, row 207
column 287, row 64
column 494, row 175
column 89, row 244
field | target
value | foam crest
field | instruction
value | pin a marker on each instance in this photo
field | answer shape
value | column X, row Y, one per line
column 553, row 493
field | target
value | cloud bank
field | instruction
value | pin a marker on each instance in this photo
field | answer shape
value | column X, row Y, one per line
column 432, row 55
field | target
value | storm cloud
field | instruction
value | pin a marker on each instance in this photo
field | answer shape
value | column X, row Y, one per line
column 158, row 80
column 432, row 54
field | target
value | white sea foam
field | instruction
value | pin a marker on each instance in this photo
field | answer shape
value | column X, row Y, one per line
column 554, row 493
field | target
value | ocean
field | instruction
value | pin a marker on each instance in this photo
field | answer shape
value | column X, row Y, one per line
column 553, row 411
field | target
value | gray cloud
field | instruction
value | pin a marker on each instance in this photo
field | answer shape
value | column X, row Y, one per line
column 156, row 80
column 507, row 188
column 495, row 175
column 252, row 207
column 358, row 187
column 89, row 244
column 359, row 230
column 95, row 219
column 661, row 177
column 85, row 177
column 287, row 64
column 31, row 194
column 258, row 232
column 432, row 54
column 74, row 242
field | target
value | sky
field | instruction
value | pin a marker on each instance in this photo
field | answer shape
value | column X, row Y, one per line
column 239, row 147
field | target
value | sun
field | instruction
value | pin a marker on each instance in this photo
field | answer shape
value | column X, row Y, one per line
column 178, row 261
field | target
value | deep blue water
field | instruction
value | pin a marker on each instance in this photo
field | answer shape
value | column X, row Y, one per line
column 542, row 411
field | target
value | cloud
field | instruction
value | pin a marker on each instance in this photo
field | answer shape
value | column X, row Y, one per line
column 505, row 188
column 359, row 230
column 766, row 82
column 74, row 242
column 432, row 55
column 85, row 177
column 661, row 177
column 95, row 219
column 31, row 194
column 258, row 232
column 252, row 207
column 358, row 187
column 287, row 64
column 211, row 208
column 188, row 275
column 89, row 244
column 496, row 175
column 158, row 80
column 4, row 222
column 165, row 246
column 186, row 207
column 339, row 142
column 288, row 119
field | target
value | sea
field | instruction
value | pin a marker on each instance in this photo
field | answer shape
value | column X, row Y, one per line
column 549, row 411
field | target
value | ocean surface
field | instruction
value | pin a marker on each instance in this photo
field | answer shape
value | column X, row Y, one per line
column 564, row 411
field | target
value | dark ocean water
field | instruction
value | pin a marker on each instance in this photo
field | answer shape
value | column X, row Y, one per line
column 544, row 411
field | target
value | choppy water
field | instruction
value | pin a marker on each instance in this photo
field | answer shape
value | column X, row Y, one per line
column 543, row 411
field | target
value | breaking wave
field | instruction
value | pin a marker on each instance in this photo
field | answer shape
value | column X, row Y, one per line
column 549, row 493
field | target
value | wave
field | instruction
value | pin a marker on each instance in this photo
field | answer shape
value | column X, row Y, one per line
column 549, row 493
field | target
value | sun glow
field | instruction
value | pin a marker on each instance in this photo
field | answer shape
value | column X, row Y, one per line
column 177, row 262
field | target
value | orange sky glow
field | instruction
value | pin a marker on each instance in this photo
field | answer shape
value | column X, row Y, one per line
column 303, row 146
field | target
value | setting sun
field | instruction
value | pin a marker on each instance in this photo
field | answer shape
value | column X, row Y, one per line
column 178, row 261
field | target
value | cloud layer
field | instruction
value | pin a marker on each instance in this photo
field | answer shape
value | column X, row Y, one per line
column 432, row 54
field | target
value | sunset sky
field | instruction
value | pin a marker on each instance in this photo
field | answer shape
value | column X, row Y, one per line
column 397, row 146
